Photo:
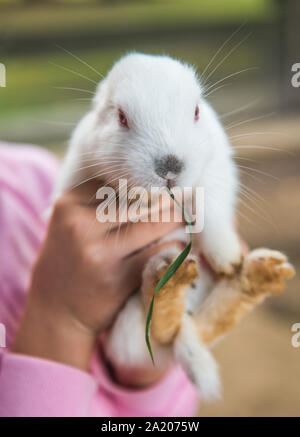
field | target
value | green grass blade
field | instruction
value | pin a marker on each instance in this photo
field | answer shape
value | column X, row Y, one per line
column 167, row 275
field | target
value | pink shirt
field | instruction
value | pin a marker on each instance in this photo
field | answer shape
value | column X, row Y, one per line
column 31, row 386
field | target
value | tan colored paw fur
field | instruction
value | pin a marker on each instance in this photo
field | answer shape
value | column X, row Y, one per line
column 231, row 271
column 169, row 303
column 264, row 272
column 185, row 275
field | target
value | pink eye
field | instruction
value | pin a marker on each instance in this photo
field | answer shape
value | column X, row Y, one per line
column 197, row 113
column 122, row 118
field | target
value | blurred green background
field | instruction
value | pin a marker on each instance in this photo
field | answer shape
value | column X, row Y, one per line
column 48, row 45
column 99, row 32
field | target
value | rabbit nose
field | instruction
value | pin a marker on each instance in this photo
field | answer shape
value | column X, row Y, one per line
column 168, row 167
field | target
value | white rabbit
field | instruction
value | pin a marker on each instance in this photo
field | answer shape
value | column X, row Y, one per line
column 150, row 123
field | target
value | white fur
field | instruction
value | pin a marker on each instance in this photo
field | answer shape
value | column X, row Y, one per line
column 158, row 95
column 125, row 344
column 197, row 361
column 194, row 357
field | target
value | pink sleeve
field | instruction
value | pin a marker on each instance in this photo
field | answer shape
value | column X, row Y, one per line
column 35, row 387
column 30, row 386
column 172, row 396
column 27, row 175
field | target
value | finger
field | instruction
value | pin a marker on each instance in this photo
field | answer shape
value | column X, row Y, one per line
column 135, row 265
column 244, row 246
column 81, row 200
column 138, row 236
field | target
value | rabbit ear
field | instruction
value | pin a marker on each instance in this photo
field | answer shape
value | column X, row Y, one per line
column 197, row 361
column 100, row 97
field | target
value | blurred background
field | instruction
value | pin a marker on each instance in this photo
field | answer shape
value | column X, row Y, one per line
column 53, row 51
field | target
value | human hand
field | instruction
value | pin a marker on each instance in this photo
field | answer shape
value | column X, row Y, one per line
column 82, row 278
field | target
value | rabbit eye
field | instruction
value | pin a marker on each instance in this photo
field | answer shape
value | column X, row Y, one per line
column 122, row 118
column 197, row 113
